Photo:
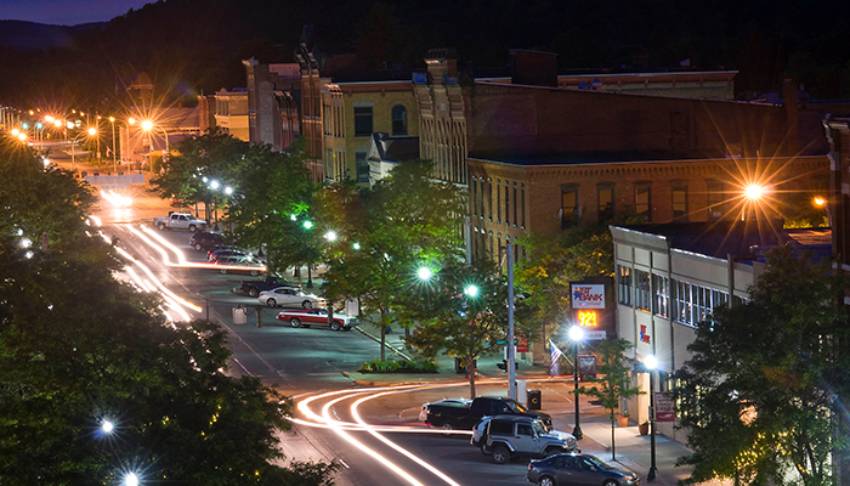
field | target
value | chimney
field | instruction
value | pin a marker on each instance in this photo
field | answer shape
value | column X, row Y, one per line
column 536, row 68
column 791, row 103
column 441, row 64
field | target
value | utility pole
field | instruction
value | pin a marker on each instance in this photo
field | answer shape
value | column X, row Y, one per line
column 511, row 349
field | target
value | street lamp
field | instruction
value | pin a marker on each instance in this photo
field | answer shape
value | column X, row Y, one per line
column 819, row 201
column 753, row 191
column 424, row 273
column 107, row 426
column 114, row 153
column 355, row 246
column 472, row 291
column 130, row 479
column 330, row 236
column 228, row 191
column 214, row 184
column 148, row 126
column 576, row 335
column 650, row 363
column 307, row 224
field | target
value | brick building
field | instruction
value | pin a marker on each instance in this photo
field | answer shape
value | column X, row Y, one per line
column 226, row 110
column 838, row 133
column 273, row 103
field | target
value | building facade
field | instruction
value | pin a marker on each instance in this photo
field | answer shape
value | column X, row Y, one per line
column 669, row 278
column 352, row 112
column 273, row 103
column 838, row 133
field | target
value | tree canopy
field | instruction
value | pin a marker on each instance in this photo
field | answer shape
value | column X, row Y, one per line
column 78, row 347
column 760, row 393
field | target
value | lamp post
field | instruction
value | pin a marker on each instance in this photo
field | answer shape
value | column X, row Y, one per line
column 148, row 126
column 651, row 363
column 114, row 155
column 753, row 193
column 576, row 335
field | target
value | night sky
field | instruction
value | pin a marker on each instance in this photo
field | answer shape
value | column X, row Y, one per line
column 66, row 12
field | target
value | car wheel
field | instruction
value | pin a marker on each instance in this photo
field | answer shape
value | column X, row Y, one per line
column 307, row 304
column 547, row 481
column 610, row 482
column 253, row 292
column 334, row 326
column 271, row 303
column 294, row 323
column 552, row 450
column 501, row 454
column 192, row 228
column 198, row 247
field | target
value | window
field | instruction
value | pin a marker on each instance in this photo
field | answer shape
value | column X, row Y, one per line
column 489, row 196
column 523, row 429
column 362, row 167
column 498, row 427
column 715, row 198
column 661, row 297
column 695, row 304
column 508, row 204
column 473, row 191
column 643, row 201
column 498, row 202
column 680, row 200
column 362, row 121
column 605, row 201
column 624, row 285
column 684, row 303
column 514, row 209
column 399, row 116
column 522, row 206
column 642, row 290
column 569, row 206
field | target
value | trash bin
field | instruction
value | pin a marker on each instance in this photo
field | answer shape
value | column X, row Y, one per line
column 240, row 315
column 533, row 399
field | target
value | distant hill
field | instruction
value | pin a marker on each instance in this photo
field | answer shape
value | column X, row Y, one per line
column 189, row 46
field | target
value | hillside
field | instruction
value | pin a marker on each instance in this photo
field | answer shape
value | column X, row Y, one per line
column 188, row 46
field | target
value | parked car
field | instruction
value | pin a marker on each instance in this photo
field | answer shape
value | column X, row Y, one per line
column 511, row 436
column 179, row 221
column 206, row 240
column 225, row 251
column 579, row 470
column 245, row 264
column 254, row 287
column 290, row 297
column 464, row 414
column 317, row 317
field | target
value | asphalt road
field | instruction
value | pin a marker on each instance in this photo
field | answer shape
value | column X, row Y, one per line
column 304, row 363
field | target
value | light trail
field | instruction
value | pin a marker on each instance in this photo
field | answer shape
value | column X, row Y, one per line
column 182, row 262
column 396, row 447
column 395, row 468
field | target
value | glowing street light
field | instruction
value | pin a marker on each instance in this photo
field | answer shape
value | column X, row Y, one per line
column 22, row 137
column 147, row 125
column 228, row 191
column 293, row 217
column 330, row 236
column 472, row 291
column 307, row 224
column 819, row 201
column 107, row 426
column 131, row 121
column 753, row 192
column 15, row 131
column 91, row 131
column 130, row 479
column 355, row 246
column 576, row 335
column 69, row 125
column 214, row 184
column 57, row 123
column 29, row 254
column 424, row 274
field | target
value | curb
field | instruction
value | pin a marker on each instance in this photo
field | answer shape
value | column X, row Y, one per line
column 389, row 346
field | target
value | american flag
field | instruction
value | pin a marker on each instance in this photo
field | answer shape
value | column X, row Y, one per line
column 554, row 358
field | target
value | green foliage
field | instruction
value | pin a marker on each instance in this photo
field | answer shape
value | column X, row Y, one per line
column 572, row 255
column 398, row 366
column 76, row 345
column 406, row 219
column 614, row 385
column 768, row 374
column 462, row 326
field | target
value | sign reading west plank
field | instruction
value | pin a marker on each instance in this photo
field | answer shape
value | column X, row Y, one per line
column 587, row 296
column 665, row 407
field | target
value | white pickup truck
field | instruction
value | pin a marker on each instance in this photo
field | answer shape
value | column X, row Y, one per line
column 179, row 221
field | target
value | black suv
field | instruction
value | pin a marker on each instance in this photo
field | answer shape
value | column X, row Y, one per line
column 206, row 240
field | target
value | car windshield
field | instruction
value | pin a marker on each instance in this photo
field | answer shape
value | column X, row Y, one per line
column 595, row 462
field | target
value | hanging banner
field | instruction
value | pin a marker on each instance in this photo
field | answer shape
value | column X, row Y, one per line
column 587, row 366
column 665, row 407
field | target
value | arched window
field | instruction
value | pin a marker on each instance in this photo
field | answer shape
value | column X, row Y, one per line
column 399, row 115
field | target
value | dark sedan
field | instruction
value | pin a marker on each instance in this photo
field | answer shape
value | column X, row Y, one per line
column 578, row 470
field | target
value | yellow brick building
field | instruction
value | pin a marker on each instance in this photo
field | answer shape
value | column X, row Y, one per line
column 352, row 112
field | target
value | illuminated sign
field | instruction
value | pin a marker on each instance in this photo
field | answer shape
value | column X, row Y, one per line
column 587, row 318
column 587, row 296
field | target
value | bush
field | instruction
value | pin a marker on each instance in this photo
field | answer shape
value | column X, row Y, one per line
column 396, row 366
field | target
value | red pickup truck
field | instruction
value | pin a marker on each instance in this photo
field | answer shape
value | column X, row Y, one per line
column 317, row 317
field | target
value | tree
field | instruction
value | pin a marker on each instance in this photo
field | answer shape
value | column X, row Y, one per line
column 463, row 313
column 404, row 220
column 544, row 278
column 614, row 385
column 770, row 374
column 74, row 355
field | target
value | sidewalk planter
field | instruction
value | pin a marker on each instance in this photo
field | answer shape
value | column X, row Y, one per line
column 644, row 428
column 622, row 421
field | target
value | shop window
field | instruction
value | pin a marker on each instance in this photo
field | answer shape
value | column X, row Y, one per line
column 624, row 285
column 642, row 300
